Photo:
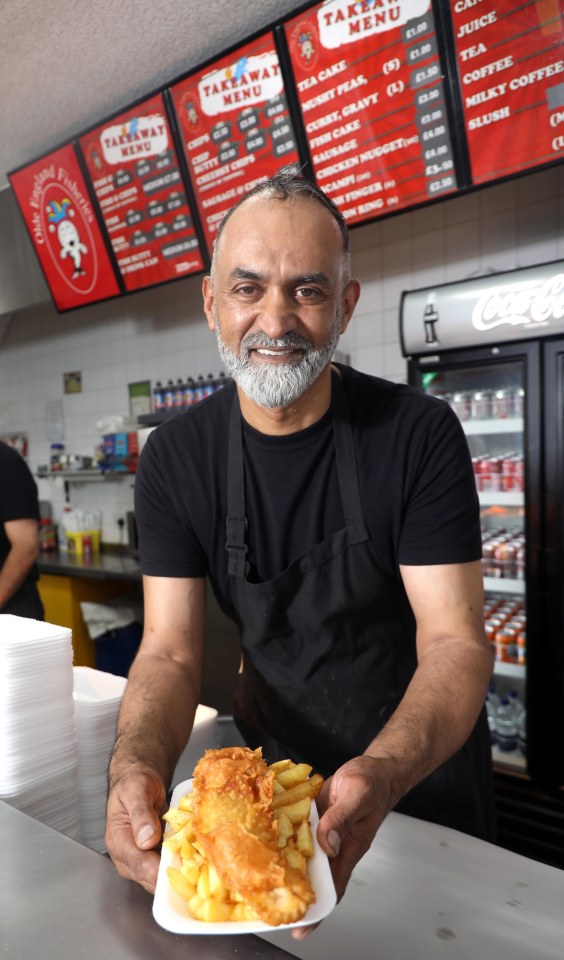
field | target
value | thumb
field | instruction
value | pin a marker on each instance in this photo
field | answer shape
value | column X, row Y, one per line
column 144, row 819
column 350, row 799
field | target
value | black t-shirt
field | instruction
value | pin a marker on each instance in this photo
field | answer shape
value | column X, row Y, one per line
column 417, row 488
column 18, row 497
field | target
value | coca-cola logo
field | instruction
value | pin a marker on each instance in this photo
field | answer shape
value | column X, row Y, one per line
column 538, row 303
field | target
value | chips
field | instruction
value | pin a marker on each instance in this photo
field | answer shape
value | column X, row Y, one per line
column 198, row 883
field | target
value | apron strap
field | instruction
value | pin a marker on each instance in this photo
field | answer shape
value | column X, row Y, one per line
column 236, row 523
column 344, row 450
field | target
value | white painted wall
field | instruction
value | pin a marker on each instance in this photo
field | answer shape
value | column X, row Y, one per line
column 161, row 333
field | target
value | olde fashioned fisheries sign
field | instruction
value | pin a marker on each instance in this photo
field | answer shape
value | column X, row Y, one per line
column 235, row 127
column 54, row 200
column 371, row 94
column 134, row 170
column 511, row 67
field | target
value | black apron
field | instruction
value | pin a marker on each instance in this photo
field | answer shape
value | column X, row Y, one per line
column 328, row 649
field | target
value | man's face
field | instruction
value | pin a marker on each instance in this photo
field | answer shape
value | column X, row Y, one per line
column 277, row 302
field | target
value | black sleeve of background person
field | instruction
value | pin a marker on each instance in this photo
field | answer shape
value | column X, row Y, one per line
column 18, row 490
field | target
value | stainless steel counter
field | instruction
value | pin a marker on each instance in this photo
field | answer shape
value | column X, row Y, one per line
column 103, row 566
column 62, row 901
column 424, row 892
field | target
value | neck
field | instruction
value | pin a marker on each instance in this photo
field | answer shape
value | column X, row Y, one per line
column 302, row 413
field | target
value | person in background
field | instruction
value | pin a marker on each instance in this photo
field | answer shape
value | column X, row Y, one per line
column 337, row 519
column 19, row 539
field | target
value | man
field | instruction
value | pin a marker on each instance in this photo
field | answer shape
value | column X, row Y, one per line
column 19, row 542
column 349, row 512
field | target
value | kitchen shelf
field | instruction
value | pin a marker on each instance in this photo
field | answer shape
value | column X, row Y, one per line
column 509, row 498
column 504, row 585
column 513, row 760
column 511, row 425
column 85, row 476
column 515, row 671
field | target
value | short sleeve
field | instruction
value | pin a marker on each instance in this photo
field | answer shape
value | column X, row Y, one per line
column 168, row 546
column 441, row 516
column 18, row 491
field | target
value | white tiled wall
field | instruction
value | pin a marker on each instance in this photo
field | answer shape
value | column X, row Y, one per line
column 161, row 333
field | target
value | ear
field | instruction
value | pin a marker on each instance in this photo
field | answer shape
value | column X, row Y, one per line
column 209, row 300
column 349, row 300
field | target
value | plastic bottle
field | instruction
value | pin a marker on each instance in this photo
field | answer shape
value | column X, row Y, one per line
column 221, row 381
column 179, row 394
column 199, row 391
column 515, row 702
column 209, row 385
column 189, row 392
column 506, row 726
column 492, row 703
column 158, row 397
column 169, row 396
column 522, row 732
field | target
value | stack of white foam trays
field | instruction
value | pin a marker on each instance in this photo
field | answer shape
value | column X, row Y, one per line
column 38, row 743
column 97, row 701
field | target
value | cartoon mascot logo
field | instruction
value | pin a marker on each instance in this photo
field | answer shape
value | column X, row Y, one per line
column 305, row 46
column 59, row 217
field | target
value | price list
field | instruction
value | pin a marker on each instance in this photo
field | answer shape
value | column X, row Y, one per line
column 511, row 67
column 235, row 127
column 56, row 207
column 371, row 93
column 134, row 170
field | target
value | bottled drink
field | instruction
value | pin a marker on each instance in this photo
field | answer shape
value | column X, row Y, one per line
column 515, row 702
column 158, row 397
column 506, row 727
column 179, row 395
column 522, row 732
column 169, row 396
column 189, row 392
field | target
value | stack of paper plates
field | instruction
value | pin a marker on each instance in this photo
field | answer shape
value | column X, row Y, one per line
column 38, row 745
column 97, row 700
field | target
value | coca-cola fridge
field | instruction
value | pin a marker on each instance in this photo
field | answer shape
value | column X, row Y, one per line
column 493, row 348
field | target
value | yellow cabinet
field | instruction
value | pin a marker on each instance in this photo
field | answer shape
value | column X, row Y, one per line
column 62, row 597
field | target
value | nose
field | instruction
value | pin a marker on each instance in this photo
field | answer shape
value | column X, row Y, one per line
column 277, row 315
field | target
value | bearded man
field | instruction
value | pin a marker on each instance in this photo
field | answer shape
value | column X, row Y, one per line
column 335, row 516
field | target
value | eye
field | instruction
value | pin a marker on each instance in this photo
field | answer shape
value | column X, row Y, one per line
column 246, row 290
column 308, row 293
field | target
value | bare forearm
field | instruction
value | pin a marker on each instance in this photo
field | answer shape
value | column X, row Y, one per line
column 156, row 716
column 436, row 715
column 14, row 570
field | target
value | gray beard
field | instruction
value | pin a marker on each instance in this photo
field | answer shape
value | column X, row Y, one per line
column 277, row 385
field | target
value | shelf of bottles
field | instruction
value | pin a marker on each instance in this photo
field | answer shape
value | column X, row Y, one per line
column 489, row 402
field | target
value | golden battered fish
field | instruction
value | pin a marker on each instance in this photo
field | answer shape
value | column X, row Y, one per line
column 235, row 824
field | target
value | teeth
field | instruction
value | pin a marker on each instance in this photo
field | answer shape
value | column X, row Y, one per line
column 273, row 353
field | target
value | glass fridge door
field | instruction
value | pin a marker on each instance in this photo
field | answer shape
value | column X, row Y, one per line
column 489, row 400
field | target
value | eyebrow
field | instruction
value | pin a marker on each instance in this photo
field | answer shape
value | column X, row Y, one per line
column 241, row 273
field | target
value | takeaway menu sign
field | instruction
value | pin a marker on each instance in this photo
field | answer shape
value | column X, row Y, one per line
column 134, row 170
column 235, row 127
column 511, row 68
column 54, row 200
column 371, row 93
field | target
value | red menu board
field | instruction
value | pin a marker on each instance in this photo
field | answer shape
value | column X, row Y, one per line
column 235, row 127
column 371, row 93
column 511, row 66
column 134, row 170
column 53, row 198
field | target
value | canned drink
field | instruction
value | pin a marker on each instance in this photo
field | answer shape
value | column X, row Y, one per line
column 502, row 404
column 481, row 404
column 508, row 467
column 518, row 402
column 462, row 405
column 495, row 471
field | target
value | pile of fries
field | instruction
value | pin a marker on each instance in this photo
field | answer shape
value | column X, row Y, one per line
column 196, row 880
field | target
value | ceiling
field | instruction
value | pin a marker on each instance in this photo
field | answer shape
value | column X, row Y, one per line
column 67, row 64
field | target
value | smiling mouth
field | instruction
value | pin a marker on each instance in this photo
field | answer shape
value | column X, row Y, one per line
column 280, row 354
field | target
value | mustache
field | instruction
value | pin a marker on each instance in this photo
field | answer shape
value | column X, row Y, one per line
column 290, row 341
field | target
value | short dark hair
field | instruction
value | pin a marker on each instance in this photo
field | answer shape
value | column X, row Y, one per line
column 288, row 183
